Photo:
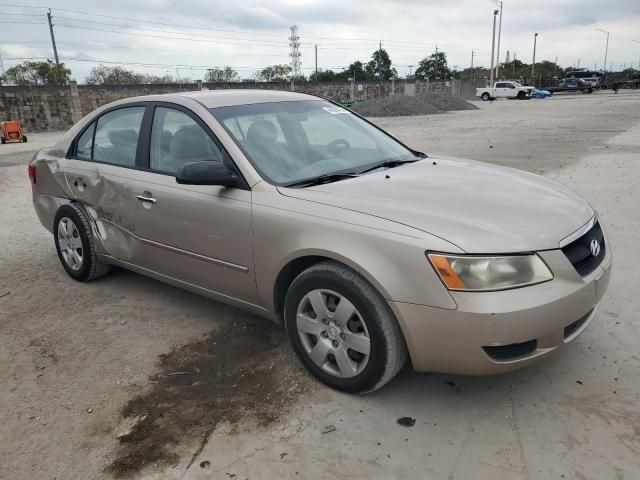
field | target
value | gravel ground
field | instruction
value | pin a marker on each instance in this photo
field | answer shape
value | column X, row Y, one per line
column 113, row 378
column 402, row 105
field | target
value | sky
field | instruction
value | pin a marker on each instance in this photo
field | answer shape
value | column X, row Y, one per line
column 171, row 37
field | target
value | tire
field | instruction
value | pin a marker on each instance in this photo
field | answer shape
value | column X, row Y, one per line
column 24, row 138
column 485, row 97
column 337, row 331
column 3, row 140
column 521, row 96
column 78, row 257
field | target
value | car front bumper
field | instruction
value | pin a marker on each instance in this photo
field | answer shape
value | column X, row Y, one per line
column 525, row 323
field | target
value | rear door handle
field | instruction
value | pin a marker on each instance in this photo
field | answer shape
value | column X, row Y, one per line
column 142, row 198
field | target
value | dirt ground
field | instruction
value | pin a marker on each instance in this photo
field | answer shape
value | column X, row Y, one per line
column 126, row 377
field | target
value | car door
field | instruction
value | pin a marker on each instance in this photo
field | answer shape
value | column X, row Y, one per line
column 98, row 172
column 198, row 234
column 500, row 90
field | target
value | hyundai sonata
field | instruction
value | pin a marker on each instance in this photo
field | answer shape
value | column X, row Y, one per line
column 295, row 208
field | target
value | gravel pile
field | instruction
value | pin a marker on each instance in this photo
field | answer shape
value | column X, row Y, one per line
column 402, row 105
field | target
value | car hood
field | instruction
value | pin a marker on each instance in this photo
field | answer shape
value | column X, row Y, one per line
column 480, row 208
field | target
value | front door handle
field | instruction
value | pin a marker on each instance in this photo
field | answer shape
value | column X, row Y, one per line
column 142, row 198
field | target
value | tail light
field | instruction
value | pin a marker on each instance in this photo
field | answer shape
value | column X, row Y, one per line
column 32, row 174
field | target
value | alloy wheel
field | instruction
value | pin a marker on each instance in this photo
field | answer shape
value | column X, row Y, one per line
column 70, row 244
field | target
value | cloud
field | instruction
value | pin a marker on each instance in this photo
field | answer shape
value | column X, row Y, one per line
column 249, row 34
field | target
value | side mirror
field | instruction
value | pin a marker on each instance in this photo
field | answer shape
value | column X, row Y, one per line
column 206, row 173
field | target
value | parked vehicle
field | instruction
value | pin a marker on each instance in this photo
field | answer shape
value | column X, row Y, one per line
column 572, row 85
column 292, row 207
column 11, row 131
column 576, row 84
column 592, row 78
column 510, row 89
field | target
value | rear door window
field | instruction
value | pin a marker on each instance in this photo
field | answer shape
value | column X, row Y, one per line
column 84, row 146
column 116, row 138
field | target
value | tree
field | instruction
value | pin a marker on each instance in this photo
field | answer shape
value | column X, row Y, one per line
column 37, row 74
column 324, row 76
column 380, row 66
column 433, row 67
column 273, row 73
column 221, row 75
column 355, row 70
column 104, row 75
column 147, row 78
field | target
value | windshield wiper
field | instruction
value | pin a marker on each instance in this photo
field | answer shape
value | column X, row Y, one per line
column 321, row 179
column 390, row 164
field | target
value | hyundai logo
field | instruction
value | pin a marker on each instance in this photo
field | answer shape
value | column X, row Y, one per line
column 595, row 247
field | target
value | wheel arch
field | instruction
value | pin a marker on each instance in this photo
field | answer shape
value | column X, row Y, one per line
column 297, row 263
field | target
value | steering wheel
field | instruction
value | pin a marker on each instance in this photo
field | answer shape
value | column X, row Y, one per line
column 338, row 144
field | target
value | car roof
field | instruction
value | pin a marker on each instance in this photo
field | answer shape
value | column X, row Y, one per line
column 230, row 97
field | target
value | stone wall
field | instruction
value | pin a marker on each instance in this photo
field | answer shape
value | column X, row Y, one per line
column 58, row 108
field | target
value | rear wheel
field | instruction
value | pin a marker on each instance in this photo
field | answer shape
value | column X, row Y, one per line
column 75, row 244
column 485, row 97
column 3, row 140
column 342, row 330
column 24, row 138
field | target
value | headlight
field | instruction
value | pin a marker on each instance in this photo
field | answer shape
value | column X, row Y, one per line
column 481, row 273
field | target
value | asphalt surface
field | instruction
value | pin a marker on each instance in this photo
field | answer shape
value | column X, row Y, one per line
column 84, row 363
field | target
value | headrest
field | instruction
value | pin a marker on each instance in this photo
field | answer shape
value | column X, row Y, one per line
column 262, row 133
column 190, row 141
column 123, row 136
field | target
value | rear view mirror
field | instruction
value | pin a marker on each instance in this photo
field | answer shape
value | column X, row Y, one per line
column 206, row 173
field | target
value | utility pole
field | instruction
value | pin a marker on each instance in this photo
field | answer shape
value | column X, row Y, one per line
column 493, row 48
column 473, row 72
column 555, row 66
column 499, row 4
column 637, row 41
column 606, row 48
column 316, row 62
column 1, row 65
column 53, row 38
column 533, row 64
column 380, row 61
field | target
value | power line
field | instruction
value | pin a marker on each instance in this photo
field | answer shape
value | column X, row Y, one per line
column 24, row 23
column 173, row 32
column 191, row 27
column 168, row 37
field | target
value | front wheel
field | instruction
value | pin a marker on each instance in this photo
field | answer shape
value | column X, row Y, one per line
column 342, row 330
column 521, row 95
column 485, row 97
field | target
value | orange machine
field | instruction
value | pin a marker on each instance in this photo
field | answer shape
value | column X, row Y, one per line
column 11, row 131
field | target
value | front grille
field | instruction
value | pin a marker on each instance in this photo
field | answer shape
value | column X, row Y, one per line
column 572, row 328
column 579, row 251
column 511, row 352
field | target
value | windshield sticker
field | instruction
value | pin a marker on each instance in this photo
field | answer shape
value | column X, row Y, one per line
column 335, row 110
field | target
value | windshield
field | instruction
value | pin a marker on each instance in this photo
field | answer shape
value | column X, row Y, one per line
column 517, row 84
column 288, row 142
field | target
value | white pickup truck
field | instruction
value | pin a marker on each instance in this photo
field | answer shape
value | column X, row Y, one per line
column 509, row 89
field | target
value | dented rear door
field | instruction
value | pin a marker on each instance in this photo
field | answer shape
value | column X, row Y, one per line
column 100, row 174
